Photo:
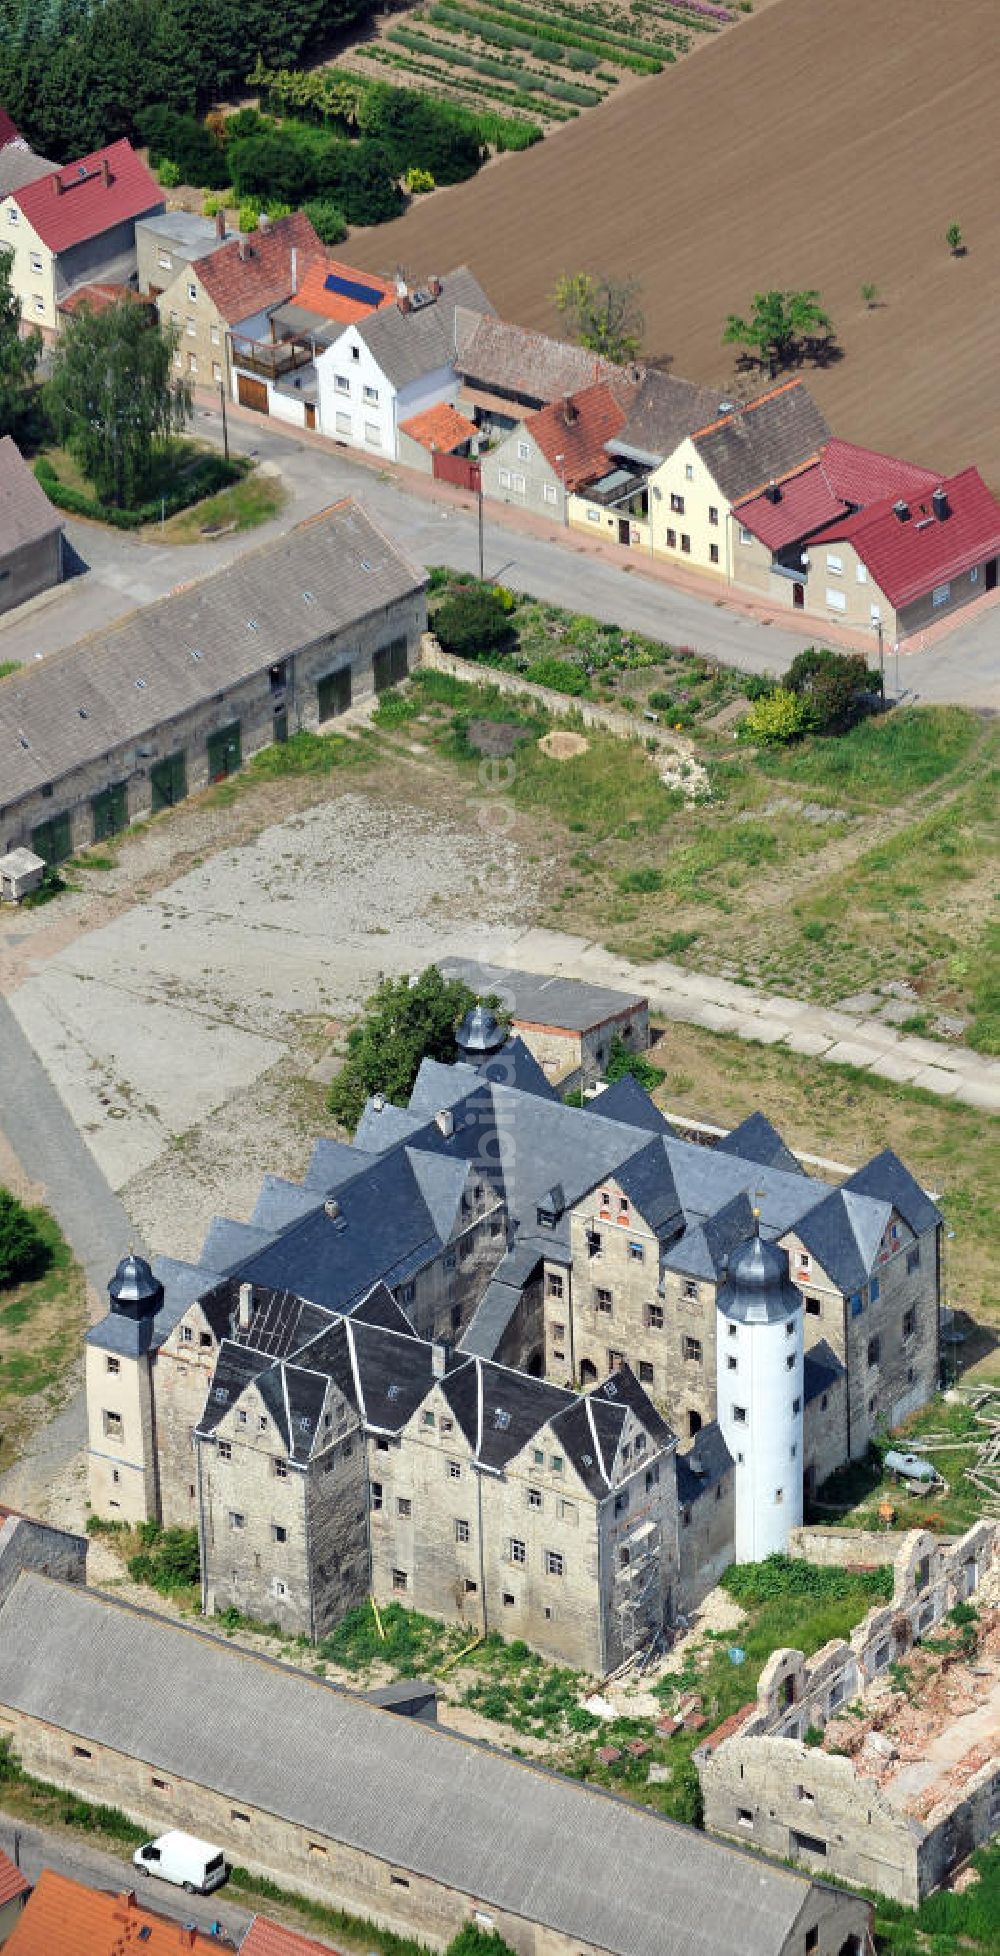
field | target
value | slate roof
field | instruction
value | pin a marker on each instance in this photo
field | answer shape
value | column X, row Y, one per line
column 755, row 1139
column 410, row 345
column 515, row 1066
column 888, row 1179
column 666, row 410
column 769, row 437
column 909, row 558
column 86, row 206
column 440, row 427
column 253, row 274
column 26, row 514
column 706, row 1462
column 569, row 1004
column 531, row 367
column 65, row 1918
column 843, row 1232
column 821, row 1368
column 578, row 427
column 414, row 1796
column 119, row 685
column 19, row 165
column 625, row 1100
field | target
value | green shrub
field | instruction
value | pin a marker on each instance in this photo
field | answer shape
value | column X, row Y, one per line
column 418, row 181
column 560, row 675
column 168, row 174
column 622, row 1061
column 327, row 220
column 168, row 1561
column 830, row 686
column 23, row 1249
column 776, row 719
column 215, row 201
column 248, row 214
column 471, row 1940
column 185, row 144
column 474, row 623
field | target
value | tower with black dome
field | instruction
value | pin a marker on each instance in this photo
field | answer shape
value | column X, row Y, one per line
column 121, row 1425
column 759, row 1394
column 479, row 1036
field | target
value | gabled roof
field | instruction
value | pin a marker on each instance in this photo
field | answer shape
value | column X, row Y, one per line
column 264, row 1938
column 12, row 1881
column 842, row 478
column 821, row 1368
column 89, row 197
column 26, row 514
column 19, row 165
column 440, row 427
column 863, row 475
column 576, row 429
column 911, row 556
column 252, row 274
column 665, row 411
column 769, row 437
column 887, row 1178
column 64, row 1918
column 516, row 1066
column 843, row 1233
column 410, row 344
column 625, row 1100
column 755, row 1139
column 532, row 367
column 336, row 291
column 706, row 1462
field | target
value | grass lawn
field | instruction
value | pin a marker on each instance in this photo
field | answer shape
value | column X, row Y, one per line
column 851, row 1497
column 41, row 1326
column 244, row 506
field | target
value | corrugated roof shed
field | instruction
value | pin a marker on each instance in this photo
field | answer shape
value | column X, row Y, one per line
column 415, row 1797
column 117, row 686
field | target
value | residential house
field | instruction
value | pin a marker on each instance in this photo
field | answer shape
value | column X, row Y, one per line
column 406, row 1824
column 166, row 244
column 725, row 461
column 772, row 527
column 74, row 226
column 437, row 431
column 64, row 1917
column 507, row 372
column 276, row 374
column 234, row 290
column 555, row 452
column 14, row 1891
column 31, row 531
column 130, row 720
column 908, row 561
column 18, row 162
column 663, row 412
column 390, row 366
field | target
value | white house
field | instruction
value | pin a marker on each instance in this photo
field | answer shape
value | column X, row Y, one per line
column 393, row 365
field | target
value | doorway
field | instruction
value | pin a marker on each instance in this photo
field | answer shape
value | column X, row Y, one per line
column 624, row 530
column 798, row 597
column 168, row 781
column 310, row 414
column 990, row 579
column 281, row 723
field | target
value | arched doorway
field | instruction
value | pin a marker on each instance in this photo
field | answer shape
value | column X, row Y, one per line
column 694, row 1423
column 588, row 1373
column 535, row 1366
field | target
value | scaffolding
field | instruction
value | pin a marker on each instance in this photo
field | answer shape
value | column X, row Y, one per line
column 637, row 1589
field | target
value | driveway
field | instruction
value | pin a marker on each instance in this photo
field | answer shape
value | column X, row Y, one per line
column 75, row 1857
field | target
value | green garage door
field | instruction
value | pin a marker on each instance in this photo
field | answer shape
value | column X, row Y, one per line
column 168, row 779
column 224, row 752
column 53, row 840
column 110, row 811
column 333, row 694
column 389, row 664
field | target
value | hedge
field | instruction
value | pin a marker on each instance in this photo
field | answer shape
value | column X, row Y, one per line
column 212, row 474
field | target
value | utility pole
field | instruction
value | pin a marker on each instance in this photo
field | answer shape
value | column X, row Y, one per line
column 881, row 660
column 479, row 499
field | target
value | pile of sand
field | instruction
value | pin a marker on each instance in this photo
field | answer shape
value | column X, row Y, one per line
column 563, row 746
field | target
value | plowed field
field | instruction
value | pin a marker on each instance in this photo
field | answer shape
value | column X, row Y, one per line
column 825, row 143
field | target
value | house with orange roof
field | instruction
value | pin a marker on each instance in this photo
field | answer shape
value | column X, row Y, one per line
column 66, row 1918
column 266, row 1938
column 14, row 1891
column 274, row 371
column 556, row 452
column 73, row 226
column 439, row 430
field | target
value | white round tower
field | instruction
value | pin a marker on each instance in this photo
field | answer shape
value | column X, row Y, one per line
column 759, row 1395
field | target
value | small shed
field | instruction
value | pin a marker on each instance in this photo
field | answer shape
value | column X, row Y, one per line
column 21, row 872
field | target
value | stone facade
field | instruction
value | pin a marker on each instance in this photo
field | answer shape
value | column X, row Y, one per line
column 765, row 1785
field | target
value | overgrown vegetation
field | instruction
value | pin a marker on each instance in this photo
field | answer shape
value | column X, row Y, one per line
column 42, row 1317
column 853, row 1495
column 405, row 1022
column 24, row 1251
column 168, row 1559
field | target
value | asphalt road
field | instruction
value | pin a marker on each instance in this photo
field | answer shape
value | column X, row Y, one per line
column 75, row 1857
column 124, row 571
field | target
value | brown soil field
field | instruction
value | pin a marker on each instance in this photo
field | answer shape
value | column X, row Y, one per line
column 819, row 145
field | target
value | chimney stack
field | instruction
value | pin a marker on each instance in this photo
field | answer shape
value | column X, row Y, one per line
column 57, row 184
column 245, row 1318
column 402, row 293
column 439, row 1360
column 569, row 410
column 106, row 172
column 435, row 287
column 331, row 1208
column 446, row 1122
column 244, row 249
column 220, row 225
column 263, row 223
column 940, row 504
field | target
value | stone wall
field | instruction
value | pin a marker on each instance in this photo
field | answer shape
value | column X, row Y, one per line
column 706, row 1534
column 824, row 1433
column 34, row 567
column 628, row 726
column 843, row 1548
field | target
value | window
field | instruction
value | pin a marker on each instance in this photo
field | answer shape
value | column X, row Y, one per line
column 746, row 536
column 427, row 1419
column 654, row 1317
column 523, row 451
column 676, row 504
column 941, row 595
column 355, row 353
column 518, row 1550
column 856, row 1304
column 689, row 471
column 790, row 1362
column 593, row 516
column 645, row 1372
column 807, row 1844
column 534, row 1497
column 812, row 1935
column 740, row 1415
column 213, row 335
column 779, row 1495
column 636, row 1253
column 161, row 1785
column 689, row 1291
column 558, row 1332
column 538, row 1456
column 112, row 1365
column 556, row 1463
column 910, row 1321
column 517, row 483
column 621, row 1502
column 400, row 1579
column 241, row 1418
column 236, row 1520
column 652, row 1477
column 370, row 396
column 509, row 1599
column 553, row 1562
column 604, row 1301
column 243, row 1818
column 216, row 371
column 225, row 1450
column 554, row 1285
column 874, row 1290
column 462, row 1531
column 82, row 1752
column 796, row 1405
column 713, row 516
column 377, row 1497
column 671, row 539
column 913, row 1259
column 836, row 600
column 373, row 434
column 549, row 492
column 686, row 1517
column 860, row 574
column 279, row 1589
column 454, row 1470
column 190, row 326
column 745, row 1816
column 342, row 424
column 685, row 544
column 691, row 1348
column 732, row 1329
column 713, row 553
column 834, row 565
column 404, row 1507
column 114, row 1428
column 278, row 1532
column 731, row 1361
column 814, row 1308
column 616, row 1360
column 341, row 384
column 192, row 364
column 874, row 1350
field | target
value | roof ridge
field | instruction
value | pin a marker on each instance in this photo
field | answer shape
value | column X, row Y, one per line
column 748, row 407
column 599, row 1450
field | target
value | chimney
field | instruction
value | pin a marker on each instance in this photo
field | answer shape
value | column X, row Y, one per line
column 57, row 183
column 263, row 223
column 435, row 287
column 187, row 1932
column 331, row 1208
column 569, row 410
column 220, row 225
column 439, row 1360
column 244, row 249
column 245, row 1318
column 901, row 511
column 378, row 1103
column 772, row 492
column 105, row 173
column 403, row 302
column 446, row 1122
column 940, row 504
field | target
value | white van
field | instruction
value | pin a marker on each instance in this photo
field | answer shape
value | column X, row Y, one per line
column 190, row 1863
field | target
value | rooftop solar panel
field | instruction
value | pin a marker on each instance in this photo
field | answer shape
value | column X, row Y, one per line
column 352, row 288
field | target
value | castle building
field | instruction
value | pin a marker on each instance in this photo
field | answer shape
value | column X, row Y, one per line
column 759, row 1393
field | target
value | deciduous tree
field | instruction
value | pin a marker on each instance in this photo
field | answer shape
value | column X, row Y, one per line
column 18, row 356
column 23, row 1249
column 403, row 1024
column 778, row 327
column 602, row 314
column 114, row 397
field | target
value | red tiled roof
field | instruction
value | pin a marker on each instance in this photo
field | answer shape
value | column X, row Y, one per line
column 265, row 1938
column 87, row 205
column 578, row 427
column 248, row 275
column 63, row 1918
column 862, row 476
column 440, row 427
column 908, row 559
column 805, row 501
column 9, row 131
column 97, row 296
column 729, row 1725
column 12, row 1881
column 314, row 295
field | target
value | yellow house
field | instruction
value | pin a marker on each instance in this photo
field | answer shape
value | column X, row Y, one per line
column 692, row 492
column 75, row 226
